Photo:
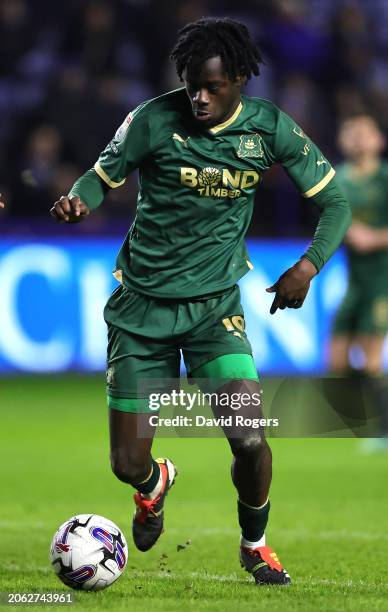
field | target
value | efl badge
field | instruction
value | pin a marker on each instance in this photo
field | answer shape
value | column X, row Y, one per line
column 250, row 146
column 122, row 130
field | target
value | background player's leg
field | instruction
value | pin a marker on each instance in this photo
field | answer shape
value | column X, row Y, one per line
column 345, row 322
column 372, row 346
column 339, row 353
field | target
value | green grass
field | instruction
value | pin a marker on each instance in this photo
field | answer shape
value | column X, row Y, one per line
column 328, row 523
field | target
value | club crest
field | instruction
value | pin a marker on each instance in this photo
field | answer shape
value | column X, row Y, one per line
column 250, row 146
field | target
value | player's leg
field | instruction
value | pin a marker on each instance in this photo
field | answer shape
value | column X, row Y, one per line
column 218, row 348
column 134, row 359
column 130, row 456
column 251, row 463
column 133, row 464
column 131, row 435
column 252, row 459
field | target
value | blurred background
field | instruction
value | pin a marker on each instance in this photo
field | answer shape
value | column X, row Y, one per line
column 71, row 71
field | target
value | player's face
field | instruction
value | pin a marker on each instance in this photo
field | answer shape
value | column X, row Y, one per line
column 214, row 97
column 360, row 137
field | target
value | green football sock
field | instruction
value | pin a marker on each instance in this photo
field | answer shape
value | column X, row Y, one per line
column 253, row 521
column 151, row 481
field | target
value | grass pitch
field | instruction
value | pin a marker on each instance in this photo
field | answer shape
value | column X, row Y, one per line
column 328, row 523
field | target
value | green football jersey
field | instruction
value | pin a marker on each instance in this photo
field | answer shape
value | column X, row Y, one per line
column 197, row 187
column 368, row 199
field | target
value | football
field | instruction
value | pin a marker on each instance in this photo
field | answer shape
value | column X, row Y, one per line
column 88, row 552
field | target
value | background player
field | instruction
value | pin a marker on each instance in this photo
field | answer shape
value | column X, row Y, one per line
column 362, row 318
column 201, row 152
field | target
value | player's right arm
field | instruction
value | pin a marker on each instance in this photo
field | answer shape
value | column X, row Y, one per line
column 69, row 210
column 125, row 152
column 86, row 194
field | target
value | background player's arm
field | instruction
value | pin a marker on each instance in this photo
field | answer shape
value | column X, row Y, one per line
column 363, row 238
column 314, row 177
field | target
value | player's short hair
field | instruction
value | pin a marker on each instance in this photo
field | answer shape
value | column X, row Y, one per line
column 210, row 37
column 359, row 114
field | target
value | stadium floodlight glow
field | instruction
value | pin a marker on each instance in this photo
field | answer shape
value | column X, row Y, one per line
column 22, row 351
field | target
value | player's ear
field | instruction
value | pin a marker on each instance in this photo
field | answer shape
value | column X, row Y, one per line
column 240, row 80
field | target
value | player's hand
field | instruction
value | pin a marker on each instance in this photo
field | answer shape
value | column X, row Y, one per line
column 69, row 210
column 291, row 287
column 362, row 238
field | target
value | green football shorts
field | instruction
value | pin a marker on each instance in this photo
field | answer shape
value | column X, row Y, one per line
column 364, row 310
column 146, row 337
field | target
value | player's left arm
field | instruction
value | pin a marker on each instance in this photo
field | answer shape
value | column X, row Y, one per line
column 314, row 177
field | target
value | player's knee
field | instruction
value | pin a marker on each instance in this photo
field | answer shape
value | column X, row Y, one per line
column 127, row 467
column 373, row 367
column 338, row 364
column 250, row 448
column 339, row 356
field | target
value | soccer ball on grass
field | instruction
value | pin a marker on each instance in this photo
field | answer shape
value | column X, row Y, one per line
column 88, row 552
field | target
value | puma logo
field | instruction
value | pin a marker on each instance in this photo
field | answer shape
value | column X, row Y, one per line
column 299, row 133
column 183, row 141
